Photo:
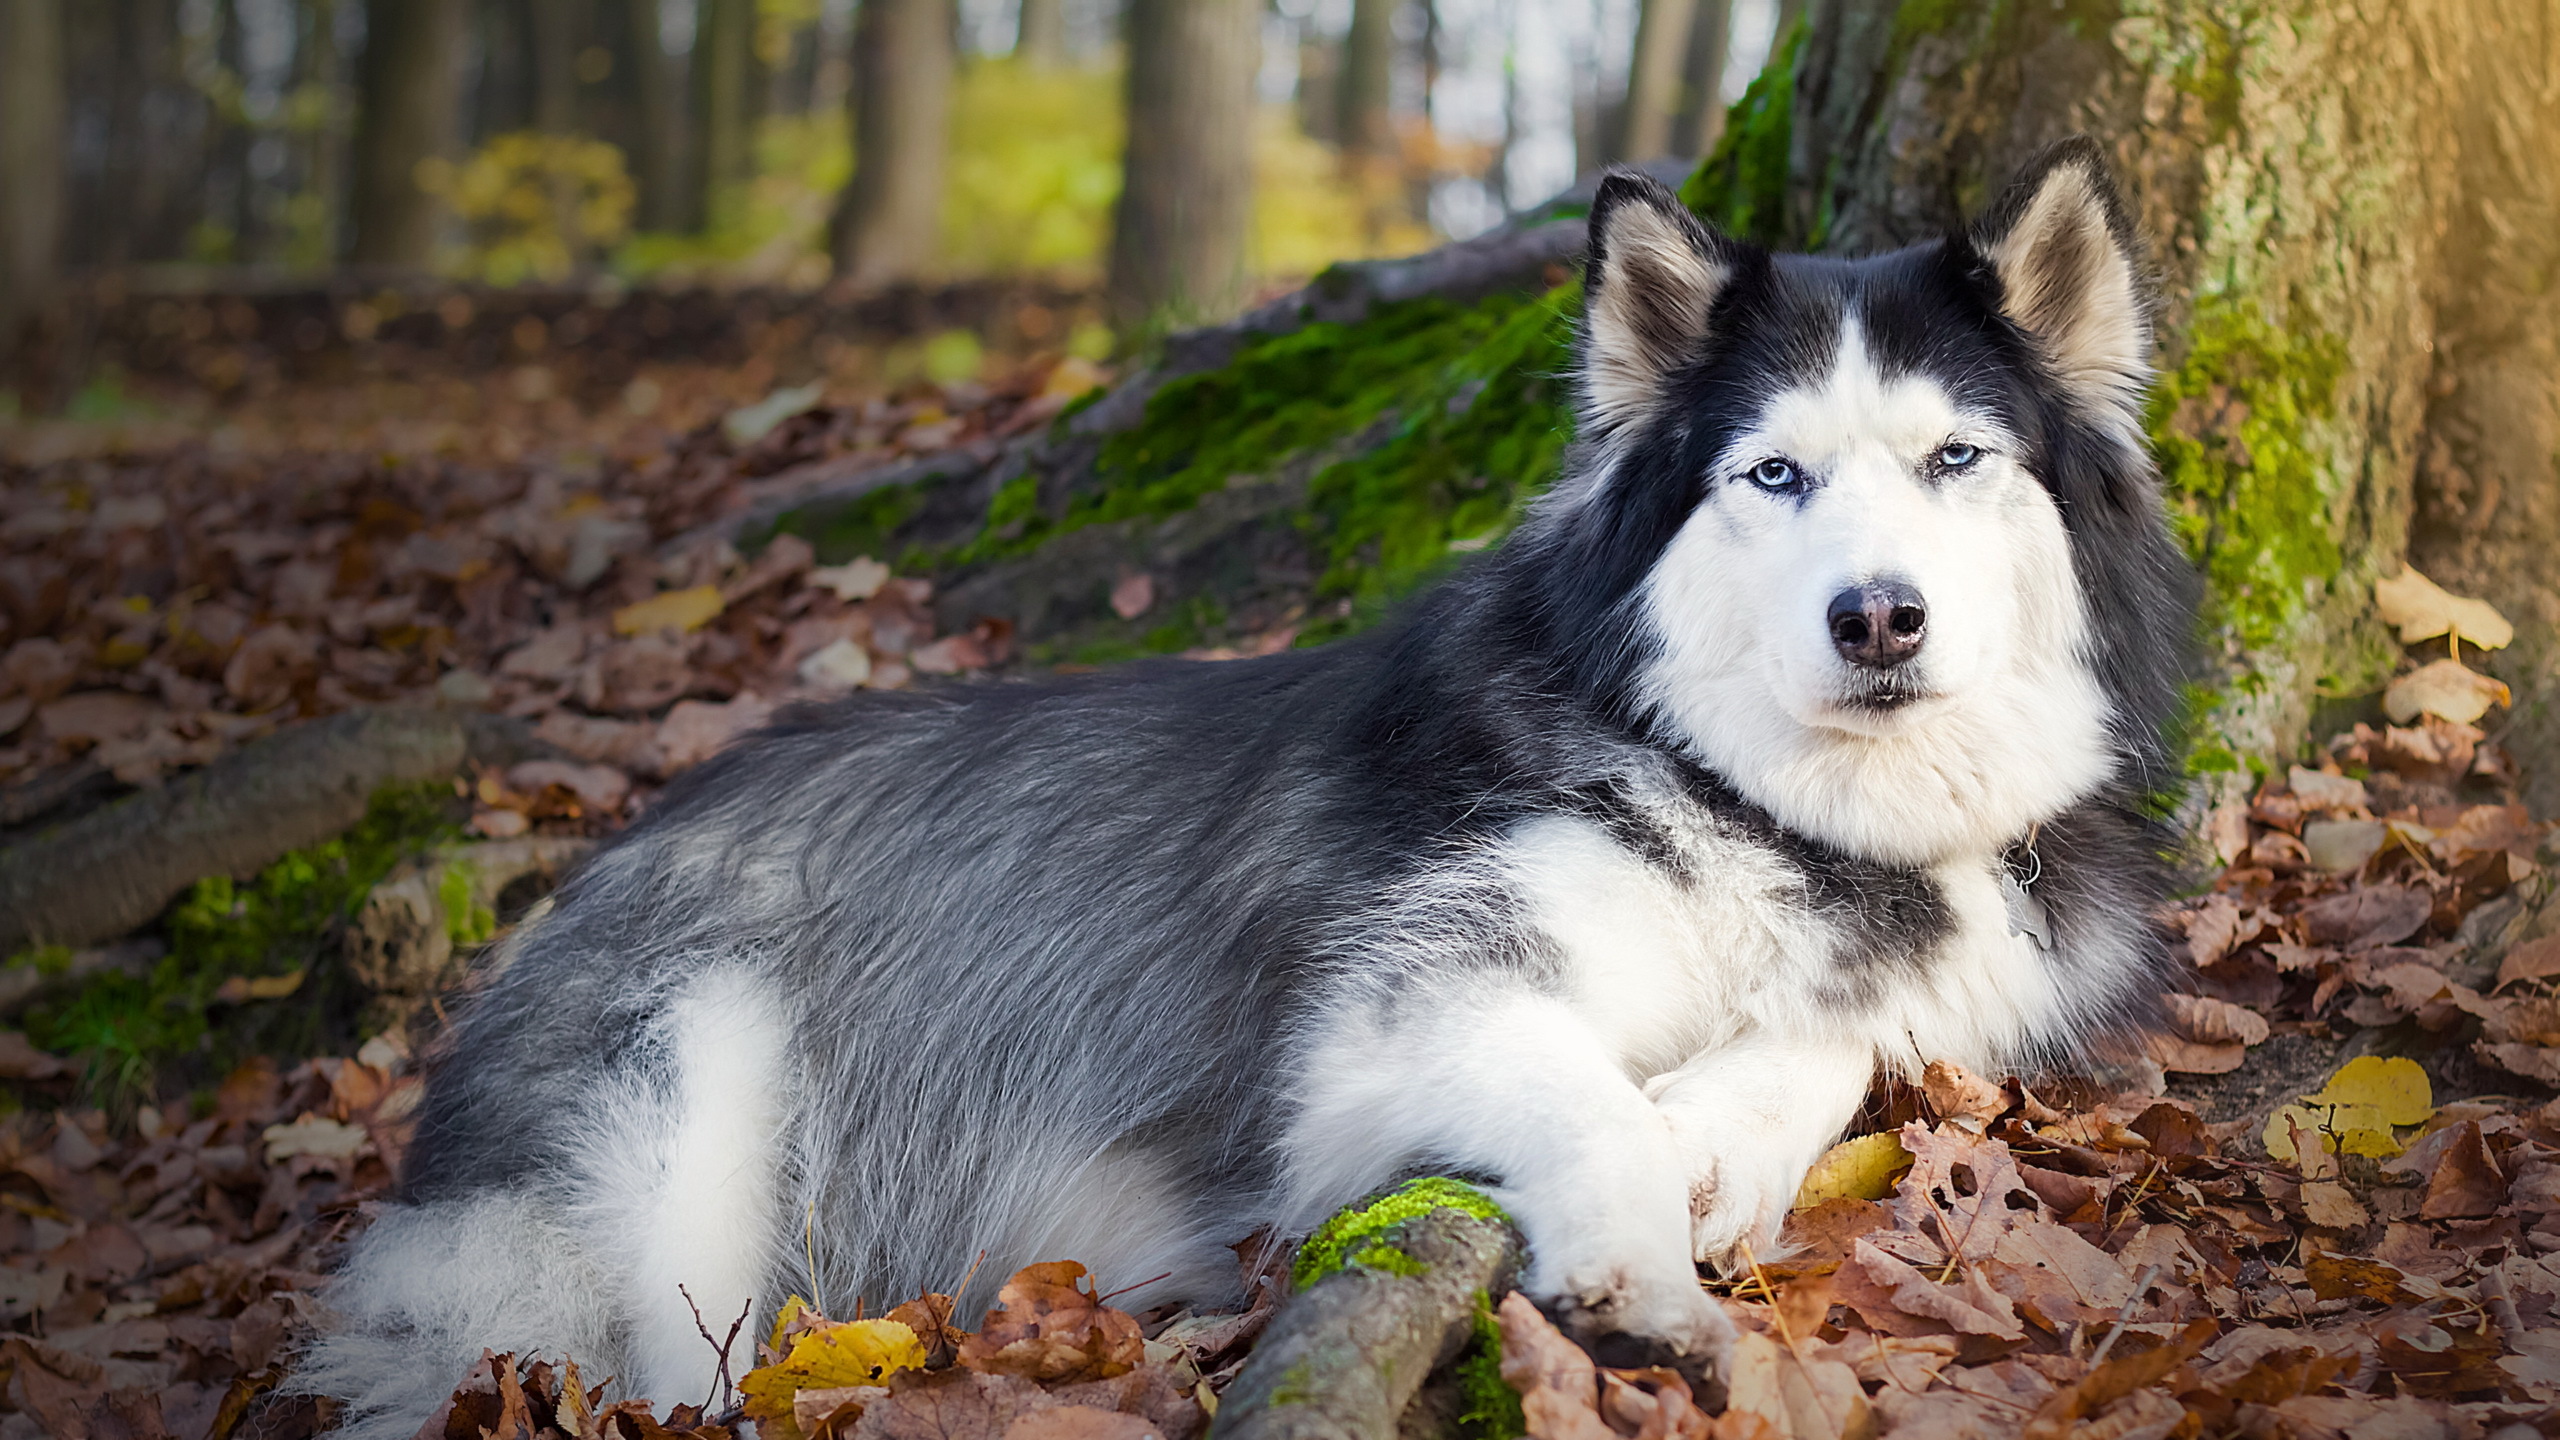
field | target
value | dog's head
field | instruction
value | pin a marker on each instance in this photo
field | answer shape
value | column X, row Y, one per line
column 1879, row 540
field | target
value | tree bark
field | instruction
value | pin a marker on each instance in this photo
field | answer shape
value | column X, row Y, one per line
column 1040, row 33
column 662, row 196
column 408, row 101
column 1365, row 89
column 1186, row 196
column 1701, row 120
column 31, row 176
column 2351, row 207
column 724, row 93
column 892, row 212
column 556, row 31
column 1653, row 78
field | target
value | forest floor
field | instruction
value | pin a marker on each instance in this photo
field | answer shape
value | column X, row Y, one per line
column 2326, row 1204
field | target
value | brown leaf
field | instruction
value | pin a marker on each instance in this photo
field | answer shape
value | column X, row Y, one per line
column 1652, row 1404
column 1969, row 1307
column 2182, row 1056
column 1559, row 1386
column 2215, row 1022
column 20, row 1060
column 2114, row 1379
column 951, row 1405
column 2466, row 1182
column 263, row 672
column 2531, row 960
column 1953, row 1092
column 1799, row 1392
column 1077, row 1422
column 2340, row 1277
column 1047, row 1326
column 2367, row 916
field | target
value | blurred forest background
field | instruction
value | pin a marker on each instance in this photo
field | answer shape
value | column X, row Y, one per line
column 260, row 147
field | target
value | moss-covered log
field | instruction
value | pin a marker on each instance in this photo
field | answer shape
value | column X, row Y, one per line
column 1388, row 1295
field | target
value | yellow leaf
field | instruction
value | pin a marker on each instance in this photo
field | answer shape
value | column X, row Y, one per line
column 2423, row 610
column 241, row 989
column 2447, row 688
column 1859, row 1169
column 675, row 610
column 2395, row 1086
column 855, row 1352
column 790, row 1311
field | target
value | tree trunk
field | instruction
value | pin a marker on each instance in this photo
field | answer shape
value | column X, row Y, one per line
column 31, row 178
column 408, row 101
column 724, row 93
column 1701, row 120
column 1653, row 78
column 557, row 31
column 1040, row 33
column 1186, row 197
column 653, row 90
column 892, row 213
column 1365, row 89
column 2353, row 214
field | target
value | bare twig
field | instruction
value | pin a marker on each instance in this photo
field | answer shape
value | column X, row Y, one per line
column 1141, row 1285
column 727, row 1393
column 2124, row 1317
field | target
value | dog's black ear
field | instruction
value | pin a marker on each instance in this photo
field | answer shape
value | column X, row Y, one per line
column 2069, row 275
column 1653, row 275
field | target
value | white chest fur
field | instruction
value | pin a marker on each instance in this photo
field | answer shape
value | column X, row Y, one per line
column 1664, row 964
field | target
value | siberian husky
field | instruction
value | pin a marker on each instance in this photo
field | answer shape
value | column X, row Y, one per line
column 1803, row 730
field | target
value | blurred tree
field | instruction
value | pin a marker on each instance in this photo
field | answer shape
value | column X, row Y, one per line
column 659, row 125
column 902, row 61
column 1366, row 88
column 31, row 177
column 559, row 28
column 1654, row 74
column 1040, row 33
column 725, row 93
column 1186, row 195
column 408, row 99
column 1700, row 122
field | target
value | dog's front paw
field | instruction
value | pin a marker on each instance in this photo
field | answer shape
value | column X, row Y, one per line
column 1738, row 1201
column 1626, row 1319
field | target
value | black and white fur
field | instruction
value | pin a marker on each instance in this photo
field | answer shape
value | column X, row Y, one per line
column 1606, row 873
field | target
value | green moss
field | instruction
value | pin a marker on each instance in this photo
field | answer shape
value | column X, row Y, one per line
column 865, row 525
column 1343, row 1239
column 126, row 1029
column 1488, row 1408
column 1742, row 186
column 466, row 921
column 2250, row 498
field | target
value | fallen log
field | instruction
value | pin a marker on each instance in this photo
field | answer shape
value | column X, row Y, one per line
column 106, row 872
column 1390, row 1295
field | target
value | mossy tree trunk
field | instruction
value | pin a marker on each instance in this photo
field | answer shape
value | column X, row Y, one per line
column 2352, row 203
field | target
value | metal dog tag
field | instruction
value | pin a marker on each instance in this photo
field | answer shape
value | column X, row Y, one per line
column 2026, row 912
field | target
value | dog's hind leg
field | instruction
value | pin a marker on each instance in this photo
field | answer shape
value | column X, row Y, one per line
column 686, row 1176
column 1514, row 1085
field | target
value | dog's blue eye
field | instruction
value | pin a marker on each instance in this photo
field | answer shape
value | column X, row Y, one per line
column 1956, row 455
column 1774, row 474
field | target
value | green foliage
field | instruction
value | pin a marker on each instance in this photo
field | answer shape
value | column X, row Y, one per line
column 1350, row 1235
column 2249, row 497
column 535, row 206
column 1034, row 168
column 127, row 1028
column 1742, row 187
column 1488, row 1408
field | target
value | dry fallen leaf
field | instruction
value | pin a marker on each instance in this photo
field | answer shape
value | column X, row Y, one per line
column 1861, row 1168
column 2422, row 610
column 1047, row 1326
column 2215, row 1022
column 830, row 1356
column 2446, row 688
column 1953, row 1092
column 680, row 610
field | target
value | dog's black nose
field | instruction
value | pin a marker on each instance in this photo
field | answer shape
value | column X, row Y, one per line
column 1878, row 624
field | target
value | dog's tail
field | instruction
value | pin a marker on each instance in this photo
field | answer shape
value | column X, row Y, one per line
column 429, row 1287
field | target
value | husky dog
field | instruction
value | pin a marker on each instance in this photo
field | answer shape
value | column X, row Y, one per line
column 1803, row 729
